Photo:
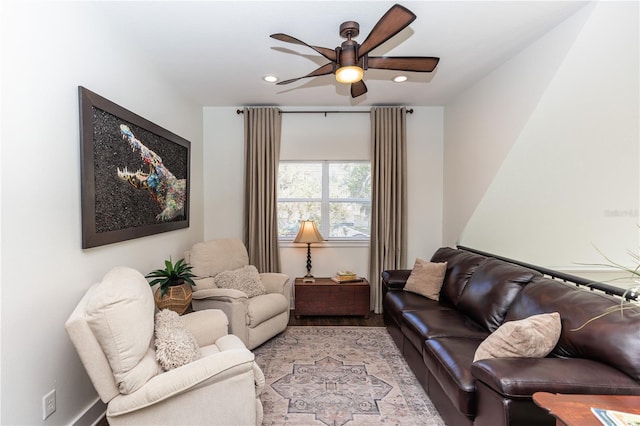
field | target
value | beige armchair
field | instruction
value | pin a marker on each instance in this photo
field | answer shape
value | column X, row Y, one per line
column 112, row 329
column 254, row 319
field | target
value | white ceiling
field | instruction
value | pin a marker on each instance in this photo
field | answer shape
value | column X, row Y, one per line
column 216, row 52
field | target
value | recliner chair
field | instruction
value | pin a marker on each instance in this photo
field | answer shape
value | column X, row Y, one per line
column 112, row 329
column 253, row 319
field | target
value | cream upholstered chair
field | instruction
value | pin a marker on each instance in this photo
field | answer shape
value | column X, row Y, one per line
column 112, row 328
column 254, row 319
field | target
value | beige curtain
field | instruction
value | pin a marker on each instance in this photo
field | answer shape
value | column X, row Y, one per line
column 262, row 155
column 389, row 196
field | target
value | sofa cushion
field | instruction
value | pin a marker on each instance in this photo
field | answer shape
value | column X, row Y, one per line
column 449, row 360
column 426, row 278
column 421, row 325
column 533, row 337
column 209, row 258
column 122, row 298
column 175, row 344
column 612, row 339
column 460, row 267
column 245, row 279
column 397, row 302
column 522, row 377
column 491, row 290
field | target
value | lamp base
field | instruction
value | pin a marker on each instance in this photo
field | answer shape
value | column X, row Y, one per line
column 308, row 279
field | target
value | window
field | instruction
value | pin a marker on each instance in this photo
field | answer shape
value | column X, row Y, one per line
column 335, row 194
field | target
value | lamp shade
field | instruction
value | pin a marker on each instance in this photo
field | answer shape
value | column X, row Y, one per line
column 308, row 233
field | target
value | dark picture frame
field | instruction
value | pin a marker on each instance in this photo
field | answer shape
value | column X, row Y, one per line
column 135, row 174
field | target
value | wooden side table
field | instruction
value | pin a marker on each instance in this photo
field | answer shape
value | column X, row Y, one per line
column 575, row 410
column 326, row 297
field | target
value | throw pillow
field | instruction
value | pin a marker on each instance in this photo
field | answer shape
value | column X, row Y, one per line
column 532, row 337
column 175, row 344
column 426, row 278
column 245, row 279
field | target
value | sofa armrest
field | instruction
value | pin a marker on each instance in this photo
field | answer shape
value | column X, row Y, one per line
column 274, row 282
column 395, row 279
column 222, row 294
column 207, row 326
column 522, row 377
column 214, row 368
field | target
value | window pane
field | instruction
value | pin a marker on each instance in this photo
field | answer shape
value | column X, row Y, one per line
column 349, row 220
column 300, row 180
column 336, row 195
column 350, row 180
column 291, row 213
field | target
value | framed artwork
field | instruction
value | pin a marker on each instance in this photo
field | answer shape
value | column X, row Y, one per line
column 135, row 174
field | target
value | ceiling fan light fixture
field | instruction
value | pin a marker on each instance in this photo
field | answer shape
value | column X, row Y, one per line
column 270, row 78
column 349, row 74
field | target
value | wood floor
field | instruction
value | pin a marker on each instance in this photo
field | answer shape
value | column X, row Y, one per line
column 374, row 320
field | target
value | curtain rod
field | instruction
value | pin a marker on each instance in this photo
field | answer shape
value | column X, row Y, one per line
column 409, row 111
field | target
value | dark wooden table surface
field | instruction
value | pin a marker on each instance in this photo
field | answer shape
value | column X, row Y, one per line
column 575, row 410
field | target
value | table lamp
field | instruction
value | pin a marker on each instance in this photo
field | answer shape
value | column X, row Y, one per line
column 308, row 234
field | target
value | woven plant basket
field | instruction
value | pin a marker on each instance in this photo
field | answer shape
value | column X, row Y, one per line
column 177, row 298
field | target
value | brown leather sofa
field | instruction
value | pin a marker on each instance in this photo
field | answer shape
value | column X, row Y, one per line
column 438, row 339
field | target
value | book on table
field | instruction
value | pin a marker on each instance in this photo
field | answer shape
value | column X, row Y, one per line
column 616, row 418
column 346, row 277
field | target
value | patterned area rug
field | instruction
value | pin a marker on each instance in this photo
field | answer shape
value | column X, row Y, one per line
column 340, row 376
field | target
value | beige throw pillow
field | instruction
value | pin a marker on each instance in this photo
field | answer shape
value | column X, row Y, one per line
column 175, row 344
column 245, row 279
column 533, row 337
column 426, row 278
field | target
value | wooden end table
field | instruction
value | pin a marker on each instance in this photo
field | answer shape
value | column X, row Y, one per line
column 575, row 410
column 326, row 297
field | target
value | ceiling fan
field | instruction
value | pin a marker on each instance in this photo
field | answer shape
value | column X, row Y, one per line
column 351, row 59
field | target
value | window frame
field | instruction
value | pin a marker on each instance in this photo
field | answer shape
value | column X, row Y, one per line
column 325, row 201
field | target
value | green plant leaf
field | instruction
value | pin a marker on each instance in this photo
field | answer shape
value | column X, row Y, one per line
column 171, row 273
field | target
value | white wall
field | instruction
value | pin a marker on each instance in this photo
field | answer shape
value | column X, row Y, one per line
column 541, row 156
column 47, row 51
column 314, row 136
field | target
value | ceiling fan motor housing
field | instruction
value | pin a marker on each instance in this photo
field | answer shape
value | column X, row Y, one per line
column 348, row 53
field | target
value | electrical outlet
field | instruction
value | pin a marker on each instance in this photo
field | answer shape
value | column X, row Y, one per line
column 48, row 404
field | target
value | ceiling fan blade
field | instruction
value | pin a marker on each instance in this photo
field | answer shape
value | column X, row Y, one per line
column 323, row 70
column 358, row 88
column 395, row 20
column 403, row 63
column 330, row 54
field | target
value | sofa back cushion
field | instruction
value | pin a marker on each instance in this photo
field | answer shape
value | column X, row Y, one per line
column 120, row 315
column 460, row 266
column 612, row 339
column 209, row 258
column 490, row 291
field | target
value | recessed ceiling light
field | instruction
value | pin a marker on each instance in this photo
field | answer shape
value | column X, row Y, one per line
column 400, row 79
column 270, row 78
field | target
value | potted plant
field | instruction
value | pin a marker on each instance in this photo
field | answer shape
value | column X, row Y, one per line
column 631, row 297
column 174, row 290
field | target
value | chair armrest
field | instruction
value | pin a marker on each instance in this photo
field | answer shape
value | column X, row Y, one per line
column 222, row 294
column 259, row 379
column 213, row 368
column 274, row 282
column 522, row 377
column 395, row 279
column 207, row 326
